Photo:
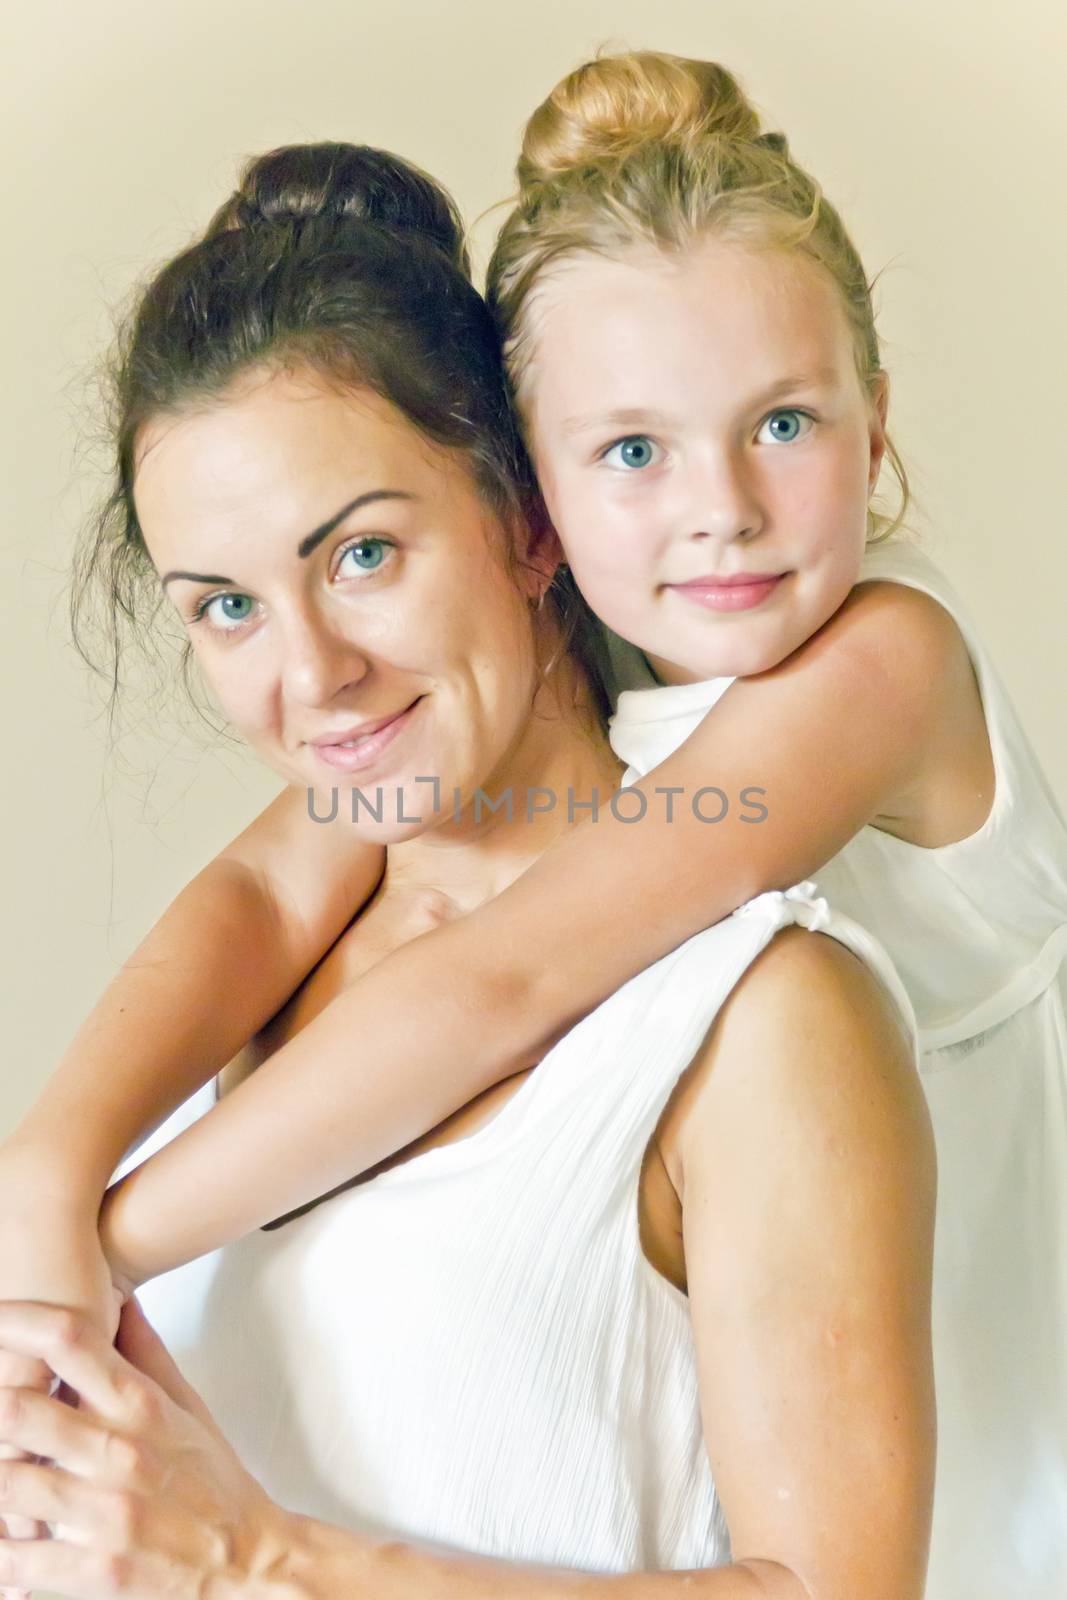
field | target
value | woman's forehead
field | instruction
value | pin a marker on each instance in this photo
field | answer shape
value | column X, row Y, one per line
column 278, row 448
column 296, row 410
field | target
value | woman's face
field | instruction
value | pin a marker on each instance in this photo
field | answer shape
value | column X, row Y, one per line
column 341, row 580
column 698, row 419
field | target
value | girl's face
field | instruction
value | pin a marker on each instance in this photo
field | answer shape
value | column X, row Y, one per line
column 706, row 449
column 341, row 579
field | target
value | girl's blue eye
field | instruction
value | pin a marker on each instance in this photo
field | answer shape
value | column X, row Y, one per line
column 633, row 453
column 782, row 427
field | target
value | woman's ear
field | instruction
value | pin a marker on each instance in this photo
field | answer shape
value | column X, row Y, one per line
column 542, row 554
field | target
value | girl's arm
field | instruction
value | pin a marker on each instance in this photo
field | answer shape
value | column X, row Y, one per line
column 236, row 942
column 220, row 962
column 842, row 732
column 229, row 951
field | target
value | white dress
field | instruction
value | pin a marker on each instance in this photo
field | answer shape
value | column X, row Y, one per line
column 978, row 932
column 471, row 1348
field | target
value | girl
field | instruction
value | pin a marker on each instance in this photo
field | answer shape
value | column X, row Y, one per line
column 694, row 358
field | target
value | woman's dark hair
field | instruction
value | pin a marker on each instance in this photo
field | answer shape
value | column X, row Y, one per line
column 344, row 260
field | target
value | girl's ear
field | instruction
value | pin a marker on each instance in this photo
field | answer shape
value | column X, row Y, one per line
column 879, row 411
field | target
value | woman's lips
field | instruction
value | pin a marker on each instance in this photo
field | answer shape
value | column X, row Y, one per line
column 730, row 594
column 365, row 753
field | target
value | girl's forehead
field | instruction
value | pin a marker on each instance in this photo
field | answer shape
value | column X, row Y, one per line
column 719, row 280
column 717, row 307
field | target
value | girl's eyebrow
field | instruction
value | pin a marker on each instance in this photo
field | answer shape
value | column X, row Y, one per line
column 640, row 416
column 309, row 542
column 623, row 416
column 816, row 378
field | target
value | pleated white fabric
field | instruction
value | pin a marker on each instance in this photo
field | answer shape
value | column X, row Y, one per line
column 978, row 933
column 471, row 1348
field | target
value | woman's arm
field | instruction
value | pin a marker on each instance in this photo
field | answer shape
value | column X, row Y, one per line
column 807, row 1181
column 151, row 1500
column 840, row 733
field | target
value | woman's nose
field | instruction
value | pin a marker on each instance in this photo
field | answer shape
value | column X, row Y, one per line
column 724, row 502
column 319, row 659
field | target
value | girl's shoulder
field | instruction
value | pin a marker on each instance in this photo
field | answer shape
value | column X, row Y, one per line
column 908, row 638
column 902, row 592
column 918, row 649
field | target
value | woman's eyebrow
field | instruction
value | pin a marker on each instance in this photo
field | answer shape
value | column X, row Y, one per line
column 307, row 544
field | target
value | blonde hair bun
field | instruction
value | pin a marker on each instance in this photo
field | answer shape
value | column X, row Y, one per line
column 607, row 106
column 642, row 150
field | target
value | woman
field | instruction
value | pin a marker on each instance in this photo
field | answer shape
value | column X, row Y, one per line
column 712, row 1198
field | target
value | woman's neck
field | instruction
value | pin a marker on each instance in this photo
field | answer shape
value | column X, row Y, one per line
column 544, row 785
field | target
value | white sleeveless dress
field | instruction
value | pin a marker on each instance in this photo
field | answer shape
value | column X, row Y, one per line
column 978, row 932
column 471, row 1348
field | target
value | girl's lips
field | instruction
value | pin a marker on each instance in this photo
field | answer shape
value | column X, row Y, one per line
column 367, row 752
column 737, row 595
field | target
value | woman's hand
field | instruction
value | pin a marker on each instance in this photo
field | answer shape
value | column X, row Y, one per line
column 149, row 1498
column 49, row 1252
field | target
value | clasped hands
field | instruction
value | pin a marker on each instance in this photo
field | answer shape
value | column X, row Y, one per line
column 146, row 1497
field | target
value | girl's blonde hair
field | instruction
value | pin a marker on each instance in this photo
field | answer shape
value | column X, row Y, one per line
column 644, row 148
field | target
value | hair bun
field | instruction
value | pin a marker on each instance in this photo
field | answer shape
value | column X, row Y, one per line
column 340, row 183
column 607, row 106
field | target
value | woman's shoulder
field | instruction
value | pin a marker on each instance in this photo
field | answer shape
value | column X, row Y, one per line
column 808, row 1024
column 809, row 1055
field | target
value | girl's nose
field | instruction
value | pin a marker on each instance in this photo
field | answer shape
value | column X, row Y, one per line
column 320, row 659
column 725, row 502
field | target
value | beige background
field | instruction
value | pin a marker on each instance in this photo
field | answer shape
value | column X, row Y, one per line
column 937, row 125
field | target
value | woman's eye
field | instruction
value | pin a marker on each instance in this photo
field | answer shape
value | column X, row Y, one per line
column 783, row 427
column 369, row 553
column 632, row 453
column 204, row 610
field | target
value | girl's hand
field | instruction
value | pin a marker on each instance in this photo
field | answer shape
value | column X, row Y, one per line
column 50, row 1247
column 149, row 1497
